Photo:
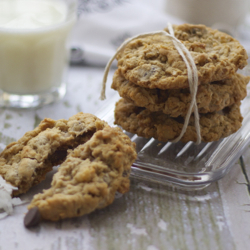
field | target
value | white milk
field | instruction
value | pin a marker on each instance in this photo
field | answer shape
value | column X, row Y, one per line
column 227, row 13
column 33, row 38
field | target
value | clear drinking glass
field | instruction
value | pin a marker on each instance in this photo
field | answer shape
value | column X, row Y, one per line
column 225, row 15
column 34, row 50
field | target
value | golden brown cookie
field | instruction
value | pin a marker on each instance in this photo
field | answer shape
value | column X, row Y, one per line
column 90, row 176
column 154, row 62
column 162, row 127
column 24, row 163
column 175, row 102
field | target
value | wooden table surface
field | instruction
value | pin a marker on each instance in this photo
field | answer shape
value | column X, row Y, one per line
column 150, row 216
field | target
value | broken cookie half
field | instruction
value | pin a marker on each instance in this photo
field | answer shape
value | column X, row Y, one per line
column 89, row 177
column 95, row 163
column 24, row 163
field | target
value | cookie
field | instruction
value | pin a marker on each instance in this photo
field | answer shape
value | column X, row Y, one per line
column 89, row 177
column 24, row 163
column 154, row 62
column 162, row 127
column 175, row 102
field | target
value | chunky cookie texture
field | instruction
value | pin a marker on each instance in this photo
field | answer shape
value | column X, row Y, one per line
column 175, row 102
column 89, row 177
column 25, row 163
column 162, row 127
column 154, row 62
column 152, row 79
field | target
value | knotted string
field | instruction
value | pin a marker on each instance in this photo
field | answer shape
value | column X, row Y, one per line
column 191, row 71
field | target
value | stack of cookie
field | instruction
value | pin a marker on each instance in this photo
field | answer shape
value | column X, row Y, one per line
column 152, row 80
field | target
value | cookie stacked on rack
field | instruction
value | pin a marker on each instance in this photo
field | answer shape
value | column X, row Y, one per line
column 152, row 79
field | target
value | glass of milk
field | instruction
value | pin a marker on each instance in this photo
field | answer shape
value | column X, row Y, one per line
column 225, row 15
column 34, row 51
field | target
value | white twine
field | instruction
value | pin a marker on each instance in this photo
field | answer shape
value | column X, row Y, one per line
column 191, row 71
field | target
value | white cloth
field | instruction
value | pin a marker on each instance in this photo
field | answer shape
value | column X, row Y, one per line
column 103, row 25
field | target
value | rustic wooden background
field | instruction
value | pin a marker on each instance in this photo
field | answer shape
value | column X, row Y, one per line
column 150, row 216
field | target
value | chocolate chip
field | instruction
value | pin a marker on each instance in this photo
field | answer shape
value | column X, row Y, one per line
column 32, row 218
